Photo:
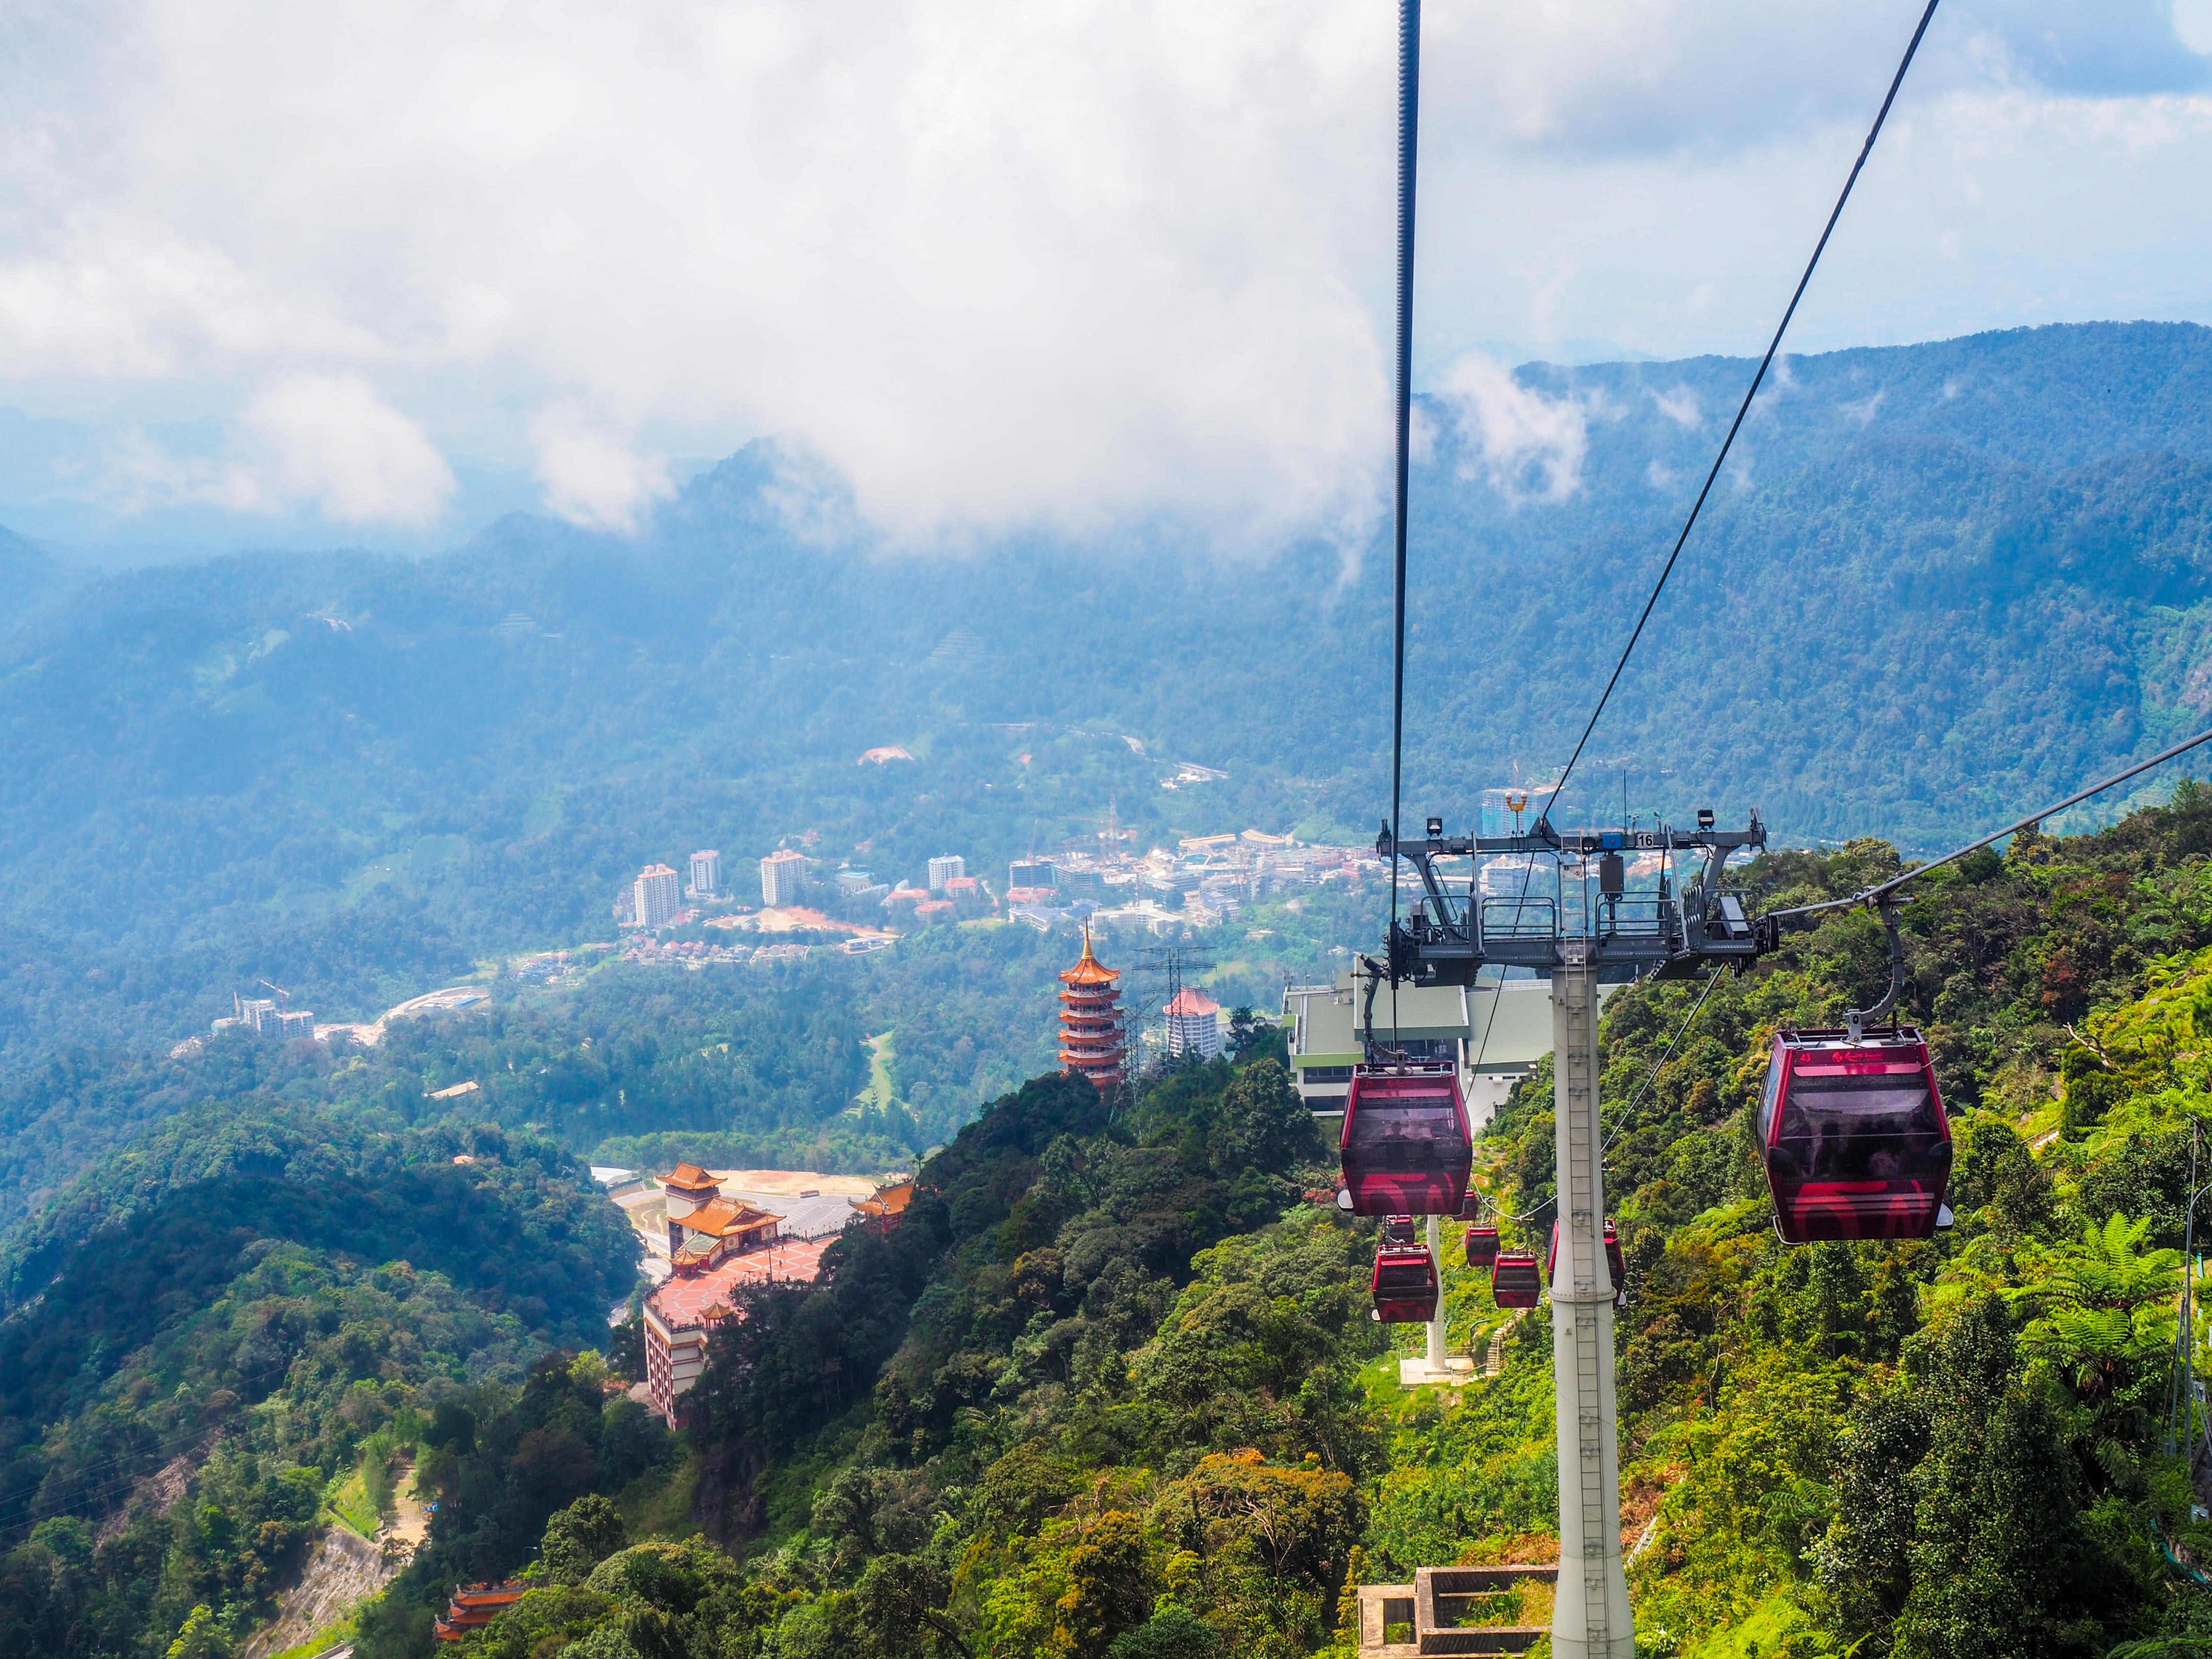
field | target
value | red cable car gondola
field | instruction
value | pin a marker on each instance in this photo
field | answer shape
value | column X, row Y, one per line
column 1405, row 1146
column 1615, row 1264
column 1481, row 1246
column 1513, row 1281
column 1405, row 1285
column 1856, row 1143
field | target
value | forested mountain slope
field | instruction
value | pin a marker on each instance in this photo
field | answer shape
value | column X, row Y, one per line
column 1971, row 572
column 1137, row 1409
column 254, row 1293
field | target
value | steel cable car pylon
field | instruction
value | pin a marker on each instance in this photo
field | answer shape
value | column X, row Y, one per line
column 1446, row 941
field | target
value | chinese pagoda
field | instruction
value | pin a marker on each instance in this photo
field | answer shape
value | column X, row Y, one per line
column 1091, row 1021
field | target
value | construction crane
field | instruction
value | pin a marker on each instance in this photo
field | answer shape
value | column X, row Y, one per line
column 283, row 996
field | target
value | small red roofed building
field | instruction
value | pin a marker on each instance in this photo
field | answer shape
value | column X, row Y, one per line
column 475, row 1606
column 1194, row 1024
column 1090, row 1020
column 884, row 1213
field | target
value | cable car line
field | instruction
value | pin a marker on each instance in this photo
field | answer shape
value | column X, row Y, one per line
column 1409, row 114
column 1742, row 410
column 1637, row 1100
column 1879, row 894
column 1696, row 508
column 1406, row 1147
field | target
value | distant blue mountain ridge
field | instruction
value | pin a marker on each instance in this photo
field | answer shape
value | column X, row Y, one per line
column 1941, row 584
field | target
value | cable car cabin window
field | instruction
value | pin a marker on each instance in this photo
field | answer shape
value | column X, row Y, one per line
column 1839, row 1126
column 1401, row 1276
column 1429, row 1127
column 1405, row 1146
column 1767, row 1100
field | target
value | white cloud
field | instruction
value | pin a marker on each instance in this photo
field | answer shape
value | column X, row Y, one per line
column 1861, row 412
column 328, row 439
column 1679, row 405
column 1531, row 446
column 997, row 263
column 112, row 303
column 593, row 476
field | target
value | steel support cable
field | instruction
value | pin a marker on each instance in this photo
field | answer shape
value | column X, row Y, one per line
column 1681, row 1032
column 1651, row 1077
column 1875, row 894
column 1696, row 508
column 1742, row 410
column 1409, row 122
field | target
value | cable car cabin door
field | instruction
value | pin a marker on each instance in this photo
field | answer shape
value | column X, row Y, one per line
column 1856, row 1143
column 1406, row 1145
column 1405, row 1286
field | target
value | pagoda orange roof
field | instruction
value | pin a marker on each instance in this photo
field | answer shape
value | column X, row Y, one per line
column 1088, row 969
column 687, row 1178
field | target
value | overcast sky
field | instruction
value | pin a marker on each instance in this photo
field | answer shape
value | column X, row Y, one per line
column 997, row 262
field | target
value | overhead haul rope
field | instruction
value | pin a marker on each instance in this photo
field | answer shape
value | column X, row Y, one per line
column 1409, row 124
column 1681, row 1032
column 1696, row 508
column 1742, row 410
column 1652, row 1076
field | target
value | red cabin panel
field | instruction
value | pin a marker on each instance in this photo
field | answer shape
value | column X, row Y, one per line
column 1481, row 1246
column 1406, row 1145
column 1616, row 1265
column 1858, row 1146
column 1513, row 1281
column 1405, row 1285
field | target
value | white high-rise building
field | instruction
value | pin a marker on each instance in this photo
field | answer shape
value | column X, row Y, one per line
column 1194, row 1024
column 653, row 896
column 942, row 870
column 707, row 875
column 783, row 873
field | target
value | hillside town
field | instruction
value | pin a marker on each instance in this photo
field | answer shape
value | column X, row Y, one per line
column 1103, row 881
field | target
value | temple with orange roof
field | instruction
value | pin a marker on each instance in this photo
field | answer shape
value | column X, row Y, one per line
column 1091, row 1040
column 704, row 1228
column 885, row 1211
column 476, row 1606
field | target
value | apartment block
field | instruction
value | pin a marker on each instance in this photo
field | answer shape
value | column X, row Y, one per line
column 707, row 874
column 655, row 895
column 782, row 876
